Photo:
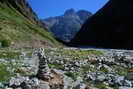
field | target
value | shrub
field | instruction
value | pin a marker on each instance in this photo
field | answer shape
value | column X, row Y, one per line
column 5, row 43
column 101, row 86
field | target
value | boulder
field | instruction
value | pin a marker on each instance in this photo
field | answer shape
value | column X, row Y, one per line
column 129, row 76
column 125, row 87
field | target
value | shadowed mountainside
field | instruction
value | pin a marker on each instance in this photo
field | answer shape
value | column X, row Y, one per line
column 110, row 27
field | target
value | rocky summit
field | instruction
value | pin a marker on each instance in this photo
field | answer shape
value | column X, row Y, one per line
column 66, row 69
column 65, row 27
column 110, row 27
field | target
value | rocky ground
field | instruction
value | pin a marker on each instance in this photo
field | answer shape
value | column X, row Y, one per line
column 64, row 68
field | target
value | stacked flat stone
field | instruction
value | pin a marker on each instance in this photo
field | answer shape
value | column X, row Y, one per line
column 43, row 65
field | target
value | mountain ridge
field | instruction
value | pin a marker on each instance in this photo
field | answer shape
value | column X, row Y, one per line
column 65, row 27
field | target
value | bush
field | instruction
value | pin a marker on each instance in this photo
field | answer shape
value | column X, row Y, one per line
column 101, row 85
column 5, row 43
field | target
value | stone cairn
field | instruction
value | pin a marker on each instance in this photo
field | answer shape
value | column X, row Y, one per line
column 43, row 71
column 46, row 74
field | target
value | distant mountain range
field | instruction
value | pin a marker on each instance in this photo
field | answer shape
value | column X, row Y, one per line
column 66, row 26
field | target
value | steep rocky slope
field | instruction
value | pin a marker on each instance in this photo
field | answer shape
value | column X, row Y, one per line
column 24, row 8
column 110, row 27
column 20, row 27
column 66, row 26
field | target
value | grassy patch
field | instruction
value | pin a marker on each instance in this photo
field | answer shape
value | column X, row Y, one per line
column 120, row 70
column 88, row 68
column 57, row 66
column 5, row 43
column 75, row 53
column 4, row 74
column 103, row 69
column 9, row 54
column 115, row 86
column 72, row 75
column 101, row 85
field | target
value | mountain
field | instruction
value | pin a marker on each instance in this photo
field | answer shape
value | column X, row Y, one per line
column 65, row 27
column 110, row 27
column 20, row 26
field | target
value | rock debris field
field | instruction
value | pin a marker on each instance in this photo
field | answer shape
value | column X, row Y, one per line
column 66, row 68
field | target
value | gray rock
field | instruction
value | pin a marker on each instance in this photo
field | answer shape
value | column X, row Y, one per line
column 34, row 82
column 80, row 86
column 120, row 80
column 43, row 86
column 128, row 83
column 16, row 81
column 18, row 88
column 108, row 68
column 8, row 88
column 0, row 44
column 100, row 78
column 123, row 87
column 129, row 76
column 1, row 85
column 68, row 82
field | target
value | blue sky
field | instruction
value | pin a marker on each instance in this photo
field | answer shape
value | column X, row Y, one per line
column 51, row 8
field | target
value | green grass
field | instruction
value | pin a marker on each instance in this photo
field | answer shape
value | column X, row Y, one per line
column 87, row 68
column 57, row 66
column 72, row 75
column 5, row 43
column 115, row 86
column 4, row 74
column 75, row 54
column 120, row 70
column 18, row 29
column 9, row 54
column 101, row 85
column 104, row 70
column 9, row 69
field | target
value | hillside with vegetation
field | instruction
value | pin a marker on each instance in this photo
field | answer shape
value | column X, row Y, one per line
column 20, row 27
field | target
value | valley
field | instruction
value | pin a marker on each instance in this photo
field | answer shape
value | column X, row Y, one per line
column 70, row 51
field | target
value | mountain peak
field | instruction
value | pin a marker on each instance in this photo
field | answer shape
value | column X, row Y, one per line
column 65, row 27
column 70, row 12
column 84, row 12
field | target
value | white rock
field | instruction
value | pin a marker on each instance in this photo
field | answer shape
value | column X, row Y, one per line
column 128, row 83
column 43, row 86
column 81, row 86
column 68, row 82
column 1, row 85
column 125, row 87
column 35, row 81
column 120, row 80
column 8, row 88
column 101, row 78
